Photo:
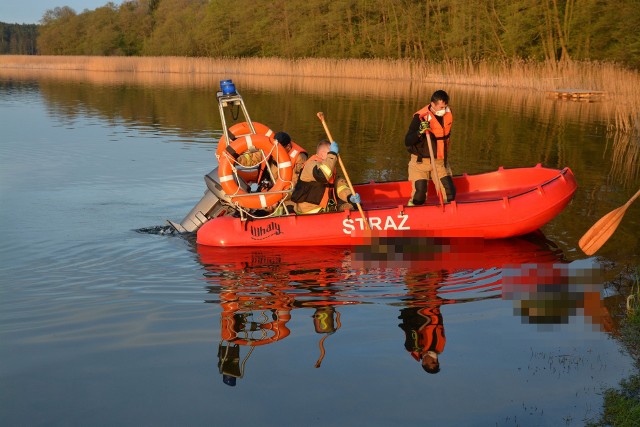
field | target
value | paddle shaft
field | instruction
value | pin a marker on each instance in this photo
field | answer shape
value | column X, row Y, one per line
column 600, row 232
column 344, row 170
column 436, row 178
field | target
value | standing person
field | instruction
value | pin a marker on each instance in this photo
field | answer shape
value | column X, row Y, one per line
column 434, row 121
column 317, row 187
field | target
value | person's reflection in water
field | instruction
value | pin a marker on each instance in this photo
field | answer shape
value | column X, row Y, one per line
column 229, row 363
column 325, row 323
column 422, row 321
column 424, row 335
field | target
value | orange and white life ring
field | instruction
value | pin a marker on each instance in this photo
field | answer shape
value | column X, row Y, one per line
column 240, row 129
column 258, row 200
column 269, row 332
column 237, row 307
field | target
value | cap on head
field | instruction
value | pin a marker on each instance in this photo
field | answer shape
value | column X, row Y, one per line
column 283, row 138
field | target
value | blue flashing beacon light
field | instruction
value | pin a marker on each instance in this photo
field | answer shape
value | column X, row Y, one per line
column 228, row 88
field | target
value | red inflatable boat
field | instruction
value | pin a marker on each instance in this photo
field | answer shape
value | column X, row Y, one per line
column 500, row 204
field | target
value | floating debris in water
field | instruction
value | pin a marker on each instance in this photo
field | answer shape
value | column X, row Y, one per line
column 158, row 229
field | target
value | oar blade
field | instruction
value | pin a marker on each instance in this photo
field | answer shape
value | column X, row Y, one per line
column 600, row 232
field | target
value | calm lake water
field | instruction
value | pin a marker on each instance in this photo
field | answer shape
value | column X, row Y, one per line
column 104, row 322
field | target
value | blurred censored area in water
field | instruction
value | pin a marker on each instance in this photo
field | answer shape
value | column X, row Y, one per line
column 385, row 249
column 546, row 290
column 552, row 294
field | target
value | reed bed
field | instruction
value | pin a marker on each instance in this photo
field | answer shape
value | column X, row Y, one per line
column 625, row 159
column 513, row 74
column 622, row 86
column 633, row 300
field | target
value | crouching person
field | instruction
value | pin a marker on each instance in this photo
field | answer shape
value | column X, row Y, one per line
column 317, row 189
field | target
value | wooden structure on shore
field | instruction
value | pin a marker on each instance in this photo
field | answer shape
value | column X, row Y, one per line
column 585, row 95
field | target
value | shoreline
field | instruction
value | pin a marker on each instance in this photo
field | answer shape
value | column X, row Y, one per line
column 595, row 76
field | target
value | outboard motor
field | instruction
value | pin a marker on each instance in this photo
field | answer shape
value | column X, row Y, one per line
column 213, row 203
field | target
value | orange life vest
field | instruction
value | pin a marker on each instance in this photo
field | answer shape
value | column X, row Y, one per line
column 295, row 152
column 430, row 336
column 438, row 131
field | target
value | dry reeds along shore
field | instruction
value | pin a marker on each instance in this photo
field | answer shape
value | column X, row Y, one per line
column 513, row 74
column 620, row 86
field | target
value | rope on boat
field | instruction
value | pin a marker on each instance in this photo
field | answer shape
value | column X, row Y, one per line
column 263, row 164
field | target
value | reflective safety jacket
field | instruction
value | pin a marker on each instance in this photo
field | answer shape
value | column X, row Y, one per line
column 299, row 157
column 424, row 331
column 315, row 181
column 439, row 128
column 295, row 153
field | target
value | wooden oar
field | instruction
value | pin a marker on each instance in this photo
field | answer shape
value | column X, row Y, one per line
column 600, row 232
column 344, row 171
column 436, row 178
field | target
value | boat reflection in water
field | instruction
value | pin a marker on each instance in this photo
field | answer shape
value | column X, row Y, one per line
column 259, row 289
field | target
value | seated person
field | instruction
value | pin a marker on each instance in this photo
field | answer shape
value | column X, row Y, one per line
column 297, row 154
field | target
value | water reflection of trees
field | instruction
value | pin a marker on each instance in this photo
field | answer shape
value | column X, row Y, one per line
column 170, row 110
column 259, row 291
column 625, row 160
column 365, row 115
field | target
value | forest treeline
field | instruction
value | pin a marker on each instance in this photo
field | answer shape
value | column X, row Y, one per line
column 433, row 30
column 18, row 39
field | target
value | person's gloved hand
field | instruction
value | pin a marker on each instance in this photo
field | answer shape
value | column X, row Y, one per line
column 354, row 198
column 334, row 147
column 424, row 126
